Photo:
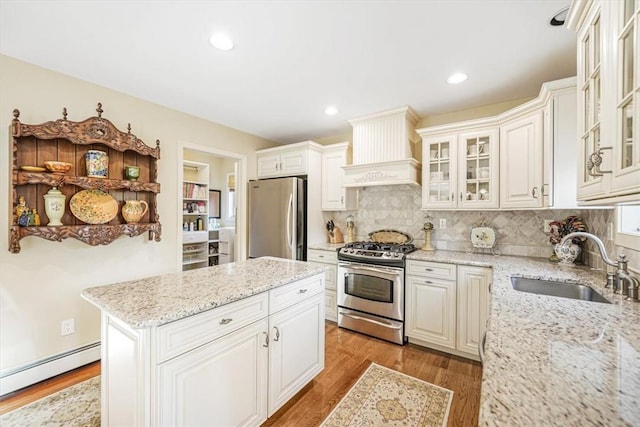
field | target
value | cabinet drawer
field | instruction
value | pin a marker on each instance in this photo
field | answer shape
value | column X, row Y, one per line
column 317, row 255
column 436, row 270
column 178, row 337
column 195, row 237
column 287, row 295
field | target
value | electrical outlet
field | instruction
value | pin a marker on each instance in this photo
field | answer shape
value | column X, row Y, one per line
column 443, row 223
column 67, row 327
column 547, row 225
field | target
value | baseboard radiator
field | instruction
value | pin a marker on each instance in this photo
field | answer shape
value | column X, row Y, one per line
column 32, row 373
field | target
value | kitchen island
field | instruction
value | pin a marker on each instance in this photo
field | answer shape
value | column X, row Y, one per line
column 554, row 361
column 227, row 345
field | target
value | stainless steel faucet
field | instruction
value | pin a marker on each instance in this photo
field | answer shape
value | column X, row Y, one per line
column 623, row 282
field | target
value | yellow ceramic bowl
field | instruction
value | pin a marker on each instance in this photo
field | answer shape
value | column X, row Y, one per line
column 57, row 167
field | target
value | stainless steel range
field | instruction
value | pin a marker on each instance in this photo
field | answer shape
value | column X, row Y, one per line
column 371, row 288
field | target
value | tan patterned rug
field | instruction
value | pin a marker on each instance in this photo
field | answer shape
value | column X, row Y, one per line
column 75, row 406
column 384, row 397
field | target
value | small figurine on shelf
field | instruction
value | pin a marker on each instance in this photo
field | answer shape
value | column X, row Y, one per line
column 428, row 228
column 32, row 218
column 36, row 218
column 23, row 220
column 20, row 207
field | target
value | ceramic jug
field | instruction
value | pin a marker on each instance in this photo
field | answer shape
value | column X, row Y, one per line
column 134, row 210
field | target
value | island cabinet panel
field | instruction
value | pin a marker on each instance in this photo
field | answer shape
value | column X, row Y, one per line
column 221, row 383
column 233, row 365
column 297, row 349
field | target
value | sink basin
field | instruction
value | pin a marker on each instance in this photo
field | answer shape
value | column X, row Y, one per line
column 557, row 289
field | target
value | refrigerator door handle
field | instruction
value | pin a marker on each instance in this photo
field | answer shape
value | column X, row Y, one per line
column 289, row 232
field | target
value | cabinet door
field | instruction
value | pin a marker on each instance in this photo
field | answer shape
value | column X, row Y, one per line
column 473, row 306
column 478, row 164
column 590, row 60
column 439, row 172
column 625, row 176
column 268, row 165
column 521, row 162
column 431, row 310
column 225, row 381
column 296, row 352
column 334, row 195
column 293, row 162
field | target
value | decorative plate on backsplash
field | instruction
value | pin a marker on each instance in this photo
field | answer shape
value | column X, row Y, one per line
column 93, row 206
column 483, row 237
column 390, row 236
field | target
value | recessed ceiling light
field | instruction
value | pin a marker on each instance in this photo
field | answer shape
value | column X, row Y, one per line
column 456, row 78
column 331, row 111
column 221, row 41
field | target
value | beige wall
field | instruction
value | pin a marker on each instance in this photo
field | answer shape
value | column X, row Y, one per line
column 41, row 285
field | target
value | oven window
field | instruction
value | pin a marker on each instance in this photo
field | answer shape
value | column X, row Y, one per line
column 368, row 287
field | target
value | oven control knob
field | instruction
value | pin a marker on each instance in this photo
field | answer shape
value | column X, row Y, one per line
column 396, row 254
column 387, row 254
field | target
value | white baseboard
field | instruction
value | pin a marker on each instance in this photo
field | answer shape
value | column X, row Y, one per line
column 35, row 372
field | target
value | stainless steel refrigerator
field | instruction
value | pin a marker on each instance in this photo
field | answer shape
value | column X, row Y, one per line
column 278, row 218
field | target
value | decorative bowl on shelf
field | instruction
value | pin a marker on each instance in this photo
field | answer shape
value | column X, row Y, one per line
column 93, row 206
column 57, row 167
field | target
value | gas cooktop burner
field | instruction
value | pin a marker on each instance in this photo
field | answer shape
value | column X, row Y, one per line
column 376, row 253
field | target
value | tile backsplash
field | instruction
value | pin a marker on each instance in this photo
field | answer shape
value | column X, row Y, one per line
column 518, row 233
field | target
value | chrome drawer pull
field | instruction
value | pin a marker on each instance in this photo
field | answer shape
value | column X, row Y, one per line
column 428, row 282
column 277, row 338
column 225, row 321
column 302, row 291
column 266, row 340
column 428, row 269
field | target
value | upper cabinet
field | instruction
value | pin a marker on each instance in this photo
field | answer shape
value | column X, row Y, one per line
column 521, row 162
column 335, row 197
column 288, row 160
column 460, row 167
column 506, row 161
column 608, row 120
column 107, row 189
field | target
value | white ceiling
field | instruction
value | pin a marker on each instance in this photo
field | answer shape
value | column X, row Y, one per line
column 294, row 58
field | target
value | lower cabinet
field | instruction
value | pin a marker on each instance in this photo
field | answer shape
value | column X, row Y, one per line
column 447, row 306
column 330, row 259
column 224, row 381
column 234, row 365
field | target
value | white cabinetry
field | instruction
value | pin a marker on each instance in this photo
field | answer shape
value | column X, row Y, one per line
column 227, row 236
column 236, row 364
column 608, row 120
column 431, row 303
column 195, row 215
column 335, row 197
column 510, row 161
column 330, row 261
column 289, row 160
column 460, row 167
column 447, row 306
column 473, row 306
column 521, row 162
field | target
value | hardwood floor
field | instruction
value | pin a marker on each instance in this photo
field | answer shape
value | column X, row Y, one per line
column 347, row 356
column 42, row 389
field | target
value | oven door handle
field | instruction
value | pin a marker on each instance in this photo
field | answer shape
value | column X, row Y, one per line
column 386, row 325
column 376, row 270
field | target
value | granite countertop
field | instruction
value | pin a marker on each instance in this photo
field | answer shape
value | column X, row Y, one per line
column 325, row 246
column 555, row 361
column 162, row 299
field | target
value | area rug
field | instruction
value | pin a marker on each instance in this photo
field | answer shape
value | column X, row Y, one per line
column 75, row 406
column 384, row 397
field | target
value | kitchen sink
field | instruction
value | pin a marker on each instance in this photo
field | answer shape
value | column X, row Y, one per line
column 557, row 289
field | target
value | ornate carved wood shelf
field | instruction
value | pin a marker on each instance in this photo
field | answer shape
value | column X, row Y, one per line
column 68, row 141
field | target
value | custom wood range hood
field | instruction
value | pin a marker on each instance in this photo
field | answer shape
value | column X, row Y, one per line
column 384, row 150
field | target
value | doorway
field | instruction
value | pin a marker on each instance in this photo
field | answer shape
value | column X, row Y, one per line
column 225, row 170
